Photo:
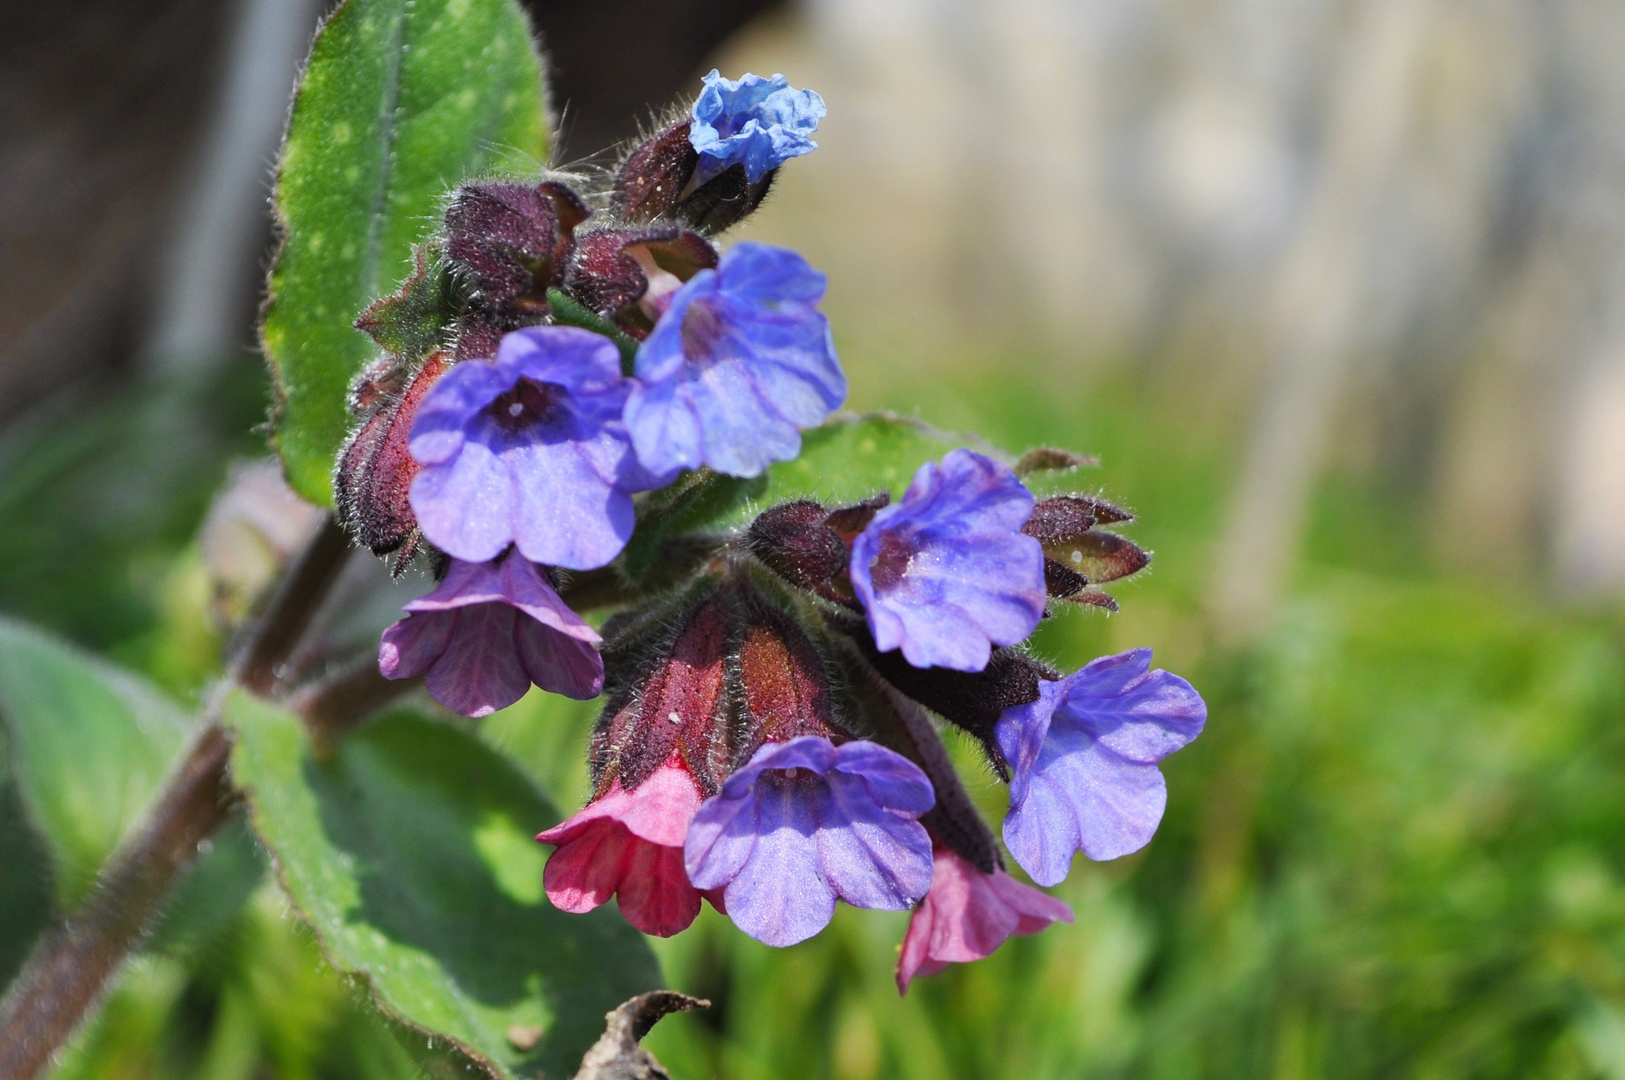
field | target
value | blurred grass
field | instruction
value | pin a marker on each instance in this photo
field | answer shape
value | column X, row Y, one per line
column 1398, row 849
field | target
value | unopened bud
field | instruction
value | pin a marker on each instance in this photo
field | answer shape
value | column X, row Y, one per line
column 653, row 176
column 375, row 468
column 795, row 541
column 1076, row 554
column 785, row 685
column 511, row 240
column 811, row 547
column 673, row 702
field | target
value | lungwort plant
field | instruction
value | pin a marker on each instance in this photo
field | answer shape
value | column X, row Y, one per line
column 612, row 441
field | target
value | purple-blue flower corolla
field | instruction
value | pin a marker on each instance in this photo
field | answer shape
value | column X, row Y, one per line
column 806, row 822
column 529, row 450
column 738, row 364
column 756, row 122
column 487, row 633
column 945, row 573
column 1084, row 761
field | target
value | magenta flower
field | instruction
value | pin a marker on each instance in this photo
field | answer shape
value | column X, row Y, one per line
column 967, row 915
column 1084, row 758
column 945, row 574
column 806, row 822
column 529, row 450
column 740, row 362
column 629, row 843
column 488, row 632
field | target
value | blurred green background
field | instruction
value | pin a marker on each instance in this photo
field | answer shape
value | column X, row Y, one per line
column 1338, row 306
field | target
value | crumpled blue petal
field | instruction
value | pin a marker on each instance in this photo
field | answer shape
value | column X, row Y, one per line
column 756, row 122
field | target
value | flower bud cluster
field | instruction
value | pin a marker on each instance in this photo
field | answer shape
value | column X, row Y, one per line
column 770, row 738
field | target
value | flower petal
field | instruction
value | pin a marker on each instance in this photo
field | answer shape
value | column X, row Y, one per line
column 778, row 896
column 480, row 671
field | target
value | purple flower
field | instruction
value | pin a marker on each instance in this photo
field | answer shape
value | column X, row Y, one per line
column 805, row 822
column 529, row 450
column 945, row 574
column 756, row 122
column 486, row 633
column 1085, row 759
column 737, row 365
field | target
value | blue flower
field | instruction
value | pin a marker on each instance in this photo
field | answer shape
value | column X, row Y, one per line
column 759, row 123
column 946, row 574
column 736, row 366
column 529, row 450
column 1084, row 761
column 805, row 822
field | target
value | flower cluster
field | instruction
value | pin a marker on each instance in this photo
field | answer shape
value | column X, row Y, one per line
column 770, row 740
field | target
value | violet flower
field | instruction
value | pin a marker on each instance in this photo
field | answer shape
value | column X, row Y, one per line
column 489, row 631
column 755, row 122
column 967, row 915
column 739, row 363
column 529, row 450
column 945, row 574
column 1084, row 758
column 806, row 822
column 629, row 843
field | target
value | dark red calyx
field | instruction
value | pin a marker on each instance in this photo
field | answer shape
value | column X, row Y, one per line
column 375, row 468
column 652, row 178
column 723, row 201
column 849, row 521
column 1077, row 554
column 511, row 241
column 671, row 698
column 783, row 682
column 611, row 270
column 810, row 546
column 478, row 333
column 795, row 541
column 970, row 700
column 901, row 724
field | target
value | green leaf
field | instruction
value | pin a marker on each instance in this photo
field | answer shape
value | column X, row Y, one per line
column 88, row 746
column 25, row 880
column 401, row 100
column 571, row 312
column 845, row 460
column 409, row 851
column 413, row 321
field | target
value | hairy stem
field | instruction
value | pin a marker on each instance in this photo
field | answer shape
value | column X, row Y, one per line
column 272, row 635
column 74, row 960
column 71, row 964
column 330, row 707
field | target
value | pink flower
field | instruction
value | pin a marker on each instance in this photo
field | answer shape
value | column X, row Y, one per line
column 629, row 843
column 968, row 914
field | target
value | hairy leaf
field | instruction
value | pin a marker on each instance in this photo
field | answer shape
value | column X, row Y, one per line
column 409, row 851
column 88, row 746
column 25, row 879
column 401, row 100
